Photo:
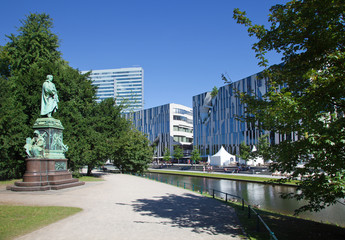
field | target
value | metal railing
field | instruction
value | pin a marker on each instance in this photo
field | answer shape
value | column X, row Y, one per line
column 221, row 195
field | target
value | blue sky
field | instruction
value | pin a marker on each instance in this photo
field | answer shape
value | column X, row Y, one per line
column 183, row 45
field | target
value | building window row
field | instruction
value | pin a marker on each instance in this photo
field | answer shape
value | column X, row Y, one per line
column 182, row 118
column 183, row 129
column 182, row 139
column 182, row 111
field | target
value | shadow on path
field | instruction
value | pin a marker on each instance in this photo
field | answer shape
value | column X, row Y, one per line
column 202, row 214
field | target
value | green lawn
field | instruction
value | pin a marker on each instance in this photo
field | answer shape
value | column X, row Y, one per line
column 90, row 179
column 19, row 220
column 9, row 182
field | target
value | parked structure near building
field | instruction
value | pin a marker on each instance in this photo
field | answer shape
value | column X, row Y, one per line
column 216, row 121
column 166, row 126
column 125, row 85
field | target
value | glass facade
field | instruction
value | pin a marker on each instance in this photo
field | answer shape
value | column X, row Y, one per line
column 215, row 118
column 166, row 126
column 125, row 85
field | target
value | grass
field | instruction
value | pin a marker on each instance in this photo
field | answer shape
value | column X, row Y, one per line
column 286, row 227
column 90, row 179
column 223, row 176
column 9, row 182
column 19, row 220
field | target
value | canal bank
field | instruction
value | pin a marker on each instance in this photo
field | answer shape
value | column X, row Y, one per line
column 262, row 178
column 265, row 196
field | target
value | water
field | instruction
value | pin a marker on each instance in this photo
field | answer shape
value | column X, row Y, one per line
column 265, row 195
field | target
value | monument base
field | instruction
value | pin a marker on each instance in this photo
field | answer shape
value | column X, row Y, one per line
column 44, row 174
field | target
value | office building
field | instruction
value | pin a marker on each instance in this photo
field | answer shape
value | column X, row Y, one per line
column 166, row 126
column 216, row 123
column 125, row 85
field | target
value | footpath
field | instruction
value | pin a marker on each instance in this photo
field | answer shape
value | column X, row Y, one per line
column 129, row 207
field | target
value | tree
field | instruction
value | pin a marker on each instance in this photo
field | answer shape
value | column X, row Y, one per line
column 12, row 132
column 214, row 91
column 195, row 156
column 30, row 56
column 92, row 131
column 178, row 153
column 244, row 152
column 263, row 149
column 167, row 156
column 24, row 64
column 306, row 99
column 132, row 152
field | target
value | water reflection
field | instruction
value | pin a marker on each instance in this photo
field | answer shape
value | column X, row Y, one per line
column 267, row 196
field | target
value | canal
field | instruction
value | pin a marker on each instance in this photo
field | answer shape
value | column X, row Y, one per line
column 264, row 195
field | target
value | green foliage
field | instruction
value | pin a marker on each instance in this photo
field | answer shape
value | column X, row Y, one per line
column 178, row 153
column 306, row 95
column 263, row 149
column 133, row 152
column 93, row 132
column 167, row 155
column 195, row 155
column 244, row 152
column 24, row 63
column 12, row 133
column 214, row 91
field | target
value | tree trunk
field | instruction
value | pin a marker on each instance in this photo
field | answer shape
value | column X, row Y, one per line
column 89, row 170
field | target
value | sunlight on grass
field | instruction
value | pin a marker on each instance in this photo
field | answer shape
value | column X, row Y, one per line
column 19, row 220
column 9, row 182
column 90, row 179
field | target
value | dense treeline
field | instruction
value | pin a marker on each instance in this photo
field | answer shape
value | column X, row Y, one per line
column 94, row 132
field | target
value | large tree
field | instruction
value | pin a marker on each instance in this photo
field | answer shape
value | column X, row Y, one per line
column 132, row 151
column 12, row 133
column 23, row 62
column 29, row 56
column 306, row 98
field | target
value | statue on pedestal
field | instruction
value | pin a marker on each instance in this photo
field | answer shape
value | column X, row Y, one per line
column 46, row 164
column 50, row 97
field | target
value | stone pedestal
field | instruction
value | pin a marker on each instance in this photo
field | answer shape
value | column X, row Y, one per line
column 49, row 170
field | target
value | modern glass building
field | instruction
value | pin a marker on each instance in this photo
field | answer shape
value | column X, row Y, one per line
column 215, row 118
column 125, row 85
column 166, row 126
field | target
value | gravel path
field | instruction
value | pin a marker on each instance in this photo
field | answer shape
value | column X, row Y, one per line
column 129, row 207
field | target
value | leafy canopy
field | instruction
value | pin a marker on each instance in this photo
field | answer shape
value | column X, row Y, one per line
column 306, row 98
column 195, row 156
column 178, row 152
column 92, row 131
column 167, row 156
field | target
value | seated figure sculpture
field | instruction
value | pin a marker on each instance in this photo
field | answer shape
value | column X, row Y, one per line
column 50, row 97
column 35, row 147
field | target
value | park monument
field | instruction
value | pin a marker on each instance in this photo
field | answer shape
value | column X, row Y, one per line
column 46, row 164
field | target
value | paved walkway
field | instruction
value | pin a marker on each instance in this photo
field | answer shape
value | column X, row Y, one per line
column 129, row 207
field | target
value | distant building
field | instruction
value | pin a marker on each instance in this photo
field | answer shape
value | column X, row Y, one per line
column 215, row 118
column 166, row 126
column 125, row 85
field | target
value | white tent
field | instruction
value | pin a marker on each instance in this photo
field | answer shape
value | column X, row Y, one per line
column 222, row 158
